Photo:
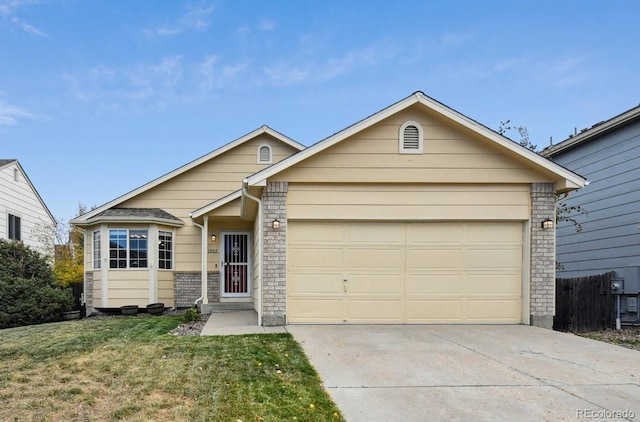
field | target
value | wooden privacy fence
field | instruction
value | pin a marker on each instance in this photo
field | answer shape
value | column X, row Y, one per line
column 584, row 303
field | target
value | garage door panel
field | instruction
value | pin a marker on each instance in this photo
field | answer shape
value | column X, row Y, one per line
column 308, row 233
column 494, row 258
column 434, row 258
column 389, row 284
column 429, row 233
column 313, row 284
column 317, row 258
column 493, row 310
column 492, row 232
column 434, row 310
column 370, row 259
column 316, row 310
column 494, row 284
column 374, row 233
column 433, row 284
column 372, row 310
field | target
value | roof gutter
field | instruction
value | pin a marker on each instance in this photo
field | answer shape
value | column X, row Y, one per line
column 246, row 194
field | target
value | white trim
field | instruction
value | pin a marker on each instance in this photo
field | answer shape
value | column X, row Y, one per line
column 152, row 262
column 249, row 263
column 401, row 144
column 104, row 267
column 250, row 136
column 215, row 204
column 258, row 158
column 566, row 178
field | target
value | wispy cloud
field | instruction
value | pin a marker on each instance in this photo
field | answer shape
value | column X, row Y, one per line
column 10, row 114
column 170, row 80
column 213, row 75
column 308, row 70
column 8, row 11
column 267, row 25
column 197, row 18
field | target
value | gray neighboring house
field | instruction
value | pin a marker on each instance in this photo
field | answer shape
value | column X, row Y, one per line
column 608, row 156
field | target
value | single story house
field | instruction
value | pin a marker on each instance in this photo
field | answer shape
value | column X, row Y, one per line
column 416, row 214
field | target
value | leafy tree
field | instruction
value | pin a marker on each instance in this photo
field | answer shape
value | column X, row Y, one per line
column 29, row 293
column 66, row 245
column 506, row 127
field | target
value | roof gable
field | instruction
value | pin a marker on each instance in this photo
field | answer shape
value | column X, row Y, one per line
column 565, row 179
column 185, row 168
column 6, row 162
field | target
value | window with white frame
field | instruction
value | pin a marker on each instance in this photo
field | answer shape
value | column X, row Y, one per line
column 264, row 154
column 128, row 248
column 165, row 250
column 410, row 138
column 97, row 250
column 14, row 230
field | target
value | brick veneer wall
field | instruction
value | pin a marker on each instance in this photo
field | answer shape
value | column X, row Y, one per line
column 187, row 287
column 543, row 261
column 274, row 271
column 88, row 291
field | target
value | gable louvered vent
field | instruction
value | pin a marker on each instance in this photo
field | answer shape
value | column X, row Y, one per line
column 411, row 138
column 264, row 154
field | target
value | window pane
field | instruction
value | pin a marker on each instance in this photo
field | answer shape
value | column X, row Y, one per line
column 117, row 248
column 138, row 248
column 165, row 246
column 97, row 252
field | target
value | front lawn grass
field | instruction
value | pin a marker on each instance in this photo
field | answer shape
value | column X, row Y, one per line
column 129, row 368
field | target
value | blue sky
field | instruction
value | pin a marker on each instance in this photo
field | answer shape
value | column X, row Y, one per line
column 99, row 97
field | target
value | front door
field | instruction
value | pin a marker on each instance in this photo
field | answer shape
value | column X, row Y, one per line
column 236, row 270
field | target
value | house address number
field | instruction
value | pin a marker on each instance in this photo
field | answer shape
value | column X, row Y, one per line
column 212, row 250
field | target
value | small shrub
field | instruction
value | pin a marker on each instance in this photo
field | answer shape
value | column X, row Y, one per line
column 191, row 314
column 29, row 293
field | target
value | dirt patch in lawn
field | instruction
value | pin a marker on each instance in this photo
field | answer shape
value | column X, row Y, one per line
column 628, row 337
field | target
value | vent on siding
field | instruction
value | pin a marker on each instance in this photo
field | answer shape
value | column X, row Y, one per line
column 264, row 154
column 411, row 139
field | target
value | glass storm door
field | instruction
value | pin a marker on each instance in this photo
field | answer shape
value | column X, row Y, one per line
column 235, row 275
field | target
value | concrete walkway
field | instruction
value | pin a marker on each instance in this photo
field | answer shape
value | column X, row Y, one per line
column 230, row 323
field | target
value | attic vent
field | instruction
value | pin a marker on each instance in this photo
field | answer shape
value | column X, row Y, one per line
column 410, row 141
column 264, row 154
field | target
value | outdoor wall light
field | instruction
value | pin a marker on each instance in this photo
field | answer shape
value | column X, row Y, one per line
column 214, row 238
column 275, row 224
column 547, row 224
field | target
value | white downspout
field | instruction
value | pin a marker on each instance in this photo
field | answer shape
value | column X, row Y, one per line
column 260, row 238
column 204, row 230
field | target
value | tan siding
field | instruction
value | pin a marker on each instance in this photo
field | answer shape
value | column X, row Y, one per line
column 202, row 185
column 451, row 155
column 165, row 288
column 408, row 202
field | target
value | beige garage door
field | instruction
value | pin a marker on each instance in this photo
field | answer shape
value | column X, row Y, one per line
column 405, row 272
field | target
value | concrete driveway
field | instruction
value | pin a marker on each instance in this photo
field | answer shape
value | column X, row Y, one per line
column 479, row 373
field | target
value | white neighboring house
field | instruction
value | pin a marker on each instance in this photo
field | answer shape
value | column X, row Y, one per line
column 21, row 207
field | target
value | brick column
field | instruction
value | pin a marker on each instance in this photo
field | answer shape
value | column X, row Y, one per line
column 274, row 271
column 542, row 297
